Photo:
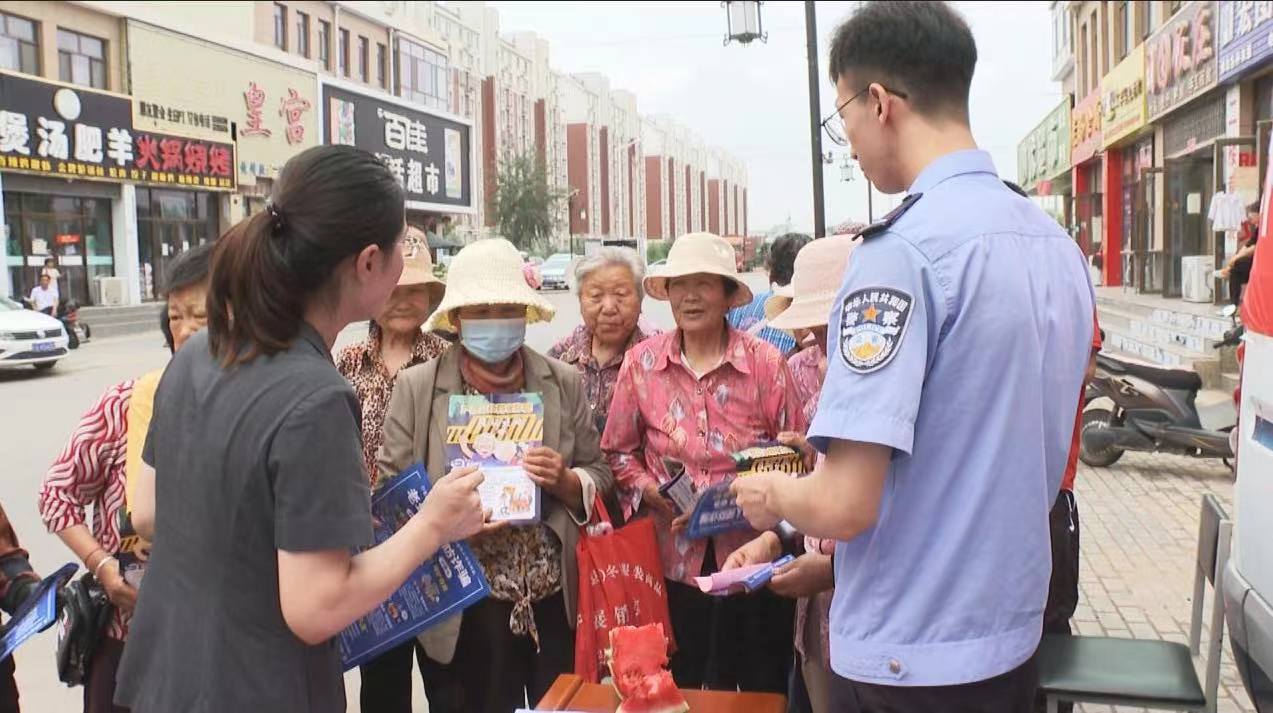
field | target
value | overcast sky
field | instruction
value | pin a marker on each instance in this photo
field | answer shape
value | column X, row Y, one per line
column 753, row 100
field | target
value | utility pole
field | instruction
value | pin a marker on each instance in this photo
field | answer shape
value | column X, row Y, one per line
column 815, row 119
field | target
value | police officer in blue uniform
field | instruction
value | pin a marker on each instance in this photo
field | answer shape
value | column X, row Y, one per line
column 955, row 357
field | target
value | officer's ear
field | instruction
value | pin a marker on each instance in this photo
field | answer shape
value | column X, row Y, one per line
column 881, row 96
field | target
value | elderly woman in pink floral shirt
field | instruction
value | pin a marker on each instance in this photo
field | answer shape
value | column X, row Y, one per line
column 698, row 394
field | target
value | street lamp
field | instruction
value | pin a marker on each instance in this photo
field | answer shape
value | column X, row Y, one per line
column 846, row 170
column 743, row 24
column 742, row 20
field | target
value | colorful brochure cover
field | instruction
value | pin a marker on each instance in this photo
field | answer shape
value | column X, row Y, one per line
column 445, row 585
column 494, row 433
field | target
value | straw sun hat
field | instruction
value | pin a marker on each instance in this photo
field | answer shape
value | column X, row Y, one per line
column 488, row 272
column 417, row 266
column 808, row 300
column 696, row 254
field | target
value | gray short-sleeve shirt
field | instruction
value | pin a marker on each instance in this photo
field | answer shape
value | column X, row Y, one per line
column 261, row 457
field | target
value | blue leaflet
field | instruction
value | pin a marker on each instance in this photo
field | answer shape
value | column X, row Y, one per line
column 445, row 585
column 36, row 614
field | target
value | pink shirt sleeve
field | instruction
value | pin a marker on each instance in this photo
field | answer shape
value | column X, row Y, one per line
column 624, row 439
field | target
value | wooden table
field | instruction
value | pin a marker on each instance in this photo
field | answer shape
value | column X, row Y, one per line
column 571, row 693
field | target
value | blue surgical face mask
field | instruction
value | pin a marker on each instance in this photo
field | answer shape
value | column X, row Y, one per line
column 493, row 340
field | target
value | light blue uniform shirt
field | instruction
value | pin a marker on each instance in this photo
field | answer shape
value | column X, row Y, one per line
column 959, row 338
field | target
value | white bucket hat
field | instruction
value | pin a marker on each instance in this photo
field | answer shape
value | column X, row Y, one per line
column 488, row 272
column 698, row 254
column 819, row 270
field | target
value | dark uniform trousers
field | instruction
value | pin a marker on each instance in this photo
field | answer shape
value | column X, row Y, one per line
column 1013, row 692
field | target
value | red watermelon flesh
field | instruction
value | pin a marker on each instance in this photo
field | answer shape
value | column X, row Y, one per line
column 638, row 665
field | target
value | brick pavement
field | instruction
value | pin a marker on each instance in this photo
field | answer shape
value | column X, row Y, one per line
column 1139, row 522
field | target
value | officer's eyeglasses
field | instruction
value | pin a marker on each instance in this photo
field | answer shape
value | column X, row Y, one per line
column 834, row 124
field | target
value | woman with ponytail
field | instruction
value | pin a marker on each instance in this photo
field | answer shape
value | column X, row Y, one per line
column 253, row 488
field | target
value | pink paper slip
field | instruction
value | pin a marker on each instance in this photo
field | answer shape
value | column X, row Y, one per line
column 741, row 580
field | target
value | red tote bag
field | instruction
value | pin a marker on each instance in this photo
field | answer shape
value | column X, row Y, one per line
column 620, row 584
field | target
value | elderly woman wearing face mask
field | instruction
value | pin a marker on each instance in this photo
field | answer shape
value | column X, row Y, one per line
column 512, row 645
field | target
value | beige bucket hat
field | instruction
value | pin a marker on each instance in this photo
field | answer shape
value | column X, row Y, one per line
column 695, row 254
column 819, row 271
column 417, row 265
column 489, row 272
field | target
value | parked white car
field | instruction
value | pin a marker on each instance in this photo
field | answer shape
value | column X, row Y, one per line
column 554, row 272
column 29, row 338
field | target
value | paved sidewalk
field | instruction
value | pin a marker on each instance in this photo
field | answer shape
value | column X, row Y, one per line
column 1139, row 537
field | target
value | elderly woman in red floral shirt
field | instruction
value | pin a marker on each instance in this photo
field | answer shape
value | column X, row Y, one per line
column 698, row 394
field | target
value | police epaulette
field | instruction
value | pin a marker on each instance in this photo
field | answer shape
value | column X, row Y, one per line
column 882, row 225
column 1016, row 189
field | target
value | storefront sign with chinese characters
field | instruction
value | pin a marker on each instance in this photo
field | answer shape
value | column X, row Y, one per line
column 272, row 107
column 1180, row 58
column 1245, row 30
column 1085, row 129
column 429, row 154
column 1123, row 98
column 191, row 118
column 1044, row 154
column 70, row 132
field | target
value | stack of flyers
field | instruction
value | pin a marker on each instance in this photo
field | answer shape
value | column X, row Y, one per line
column 494, row 433
column 715, row 512
column 443, row 586
column 768, row 458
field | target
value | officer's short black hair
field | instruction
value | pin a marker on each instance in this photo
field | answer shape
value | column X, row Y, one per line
column 921, row 47
column 782, row 257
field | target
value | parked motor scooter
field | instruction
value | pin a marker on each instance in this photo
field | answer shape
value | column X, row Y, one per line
column 1153, row 410
column 77, row 332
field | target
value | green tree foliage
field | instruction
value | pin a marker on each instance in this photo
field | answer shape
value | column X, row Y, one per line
column 527, row 209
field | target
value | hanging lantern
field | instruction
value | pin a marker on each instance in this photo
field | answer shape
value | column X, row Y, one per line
column 742, row 18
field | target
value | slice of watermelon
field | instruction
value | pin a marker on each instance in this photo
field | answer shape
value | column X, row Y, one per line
column 638, row 666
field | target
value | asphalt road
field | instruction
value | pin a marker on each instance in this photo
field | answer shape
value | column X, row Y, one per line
column 42, row 408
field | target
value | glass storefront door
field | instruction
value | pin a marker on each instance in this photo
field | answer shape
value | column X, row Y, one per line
column 168, row 223
column 1189, row 189
column 75, row 231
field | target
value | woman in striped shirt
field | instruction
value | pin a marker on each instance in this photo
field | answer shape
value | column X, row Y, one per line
column 91, row 471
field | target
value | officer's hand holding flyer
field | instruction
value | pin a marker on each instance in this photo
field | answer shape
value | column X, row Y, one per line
column 495, row 433
column 715, row 510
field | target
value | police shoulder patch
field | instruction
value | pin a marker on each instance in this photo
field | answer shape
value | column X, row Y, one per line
column 873, row 322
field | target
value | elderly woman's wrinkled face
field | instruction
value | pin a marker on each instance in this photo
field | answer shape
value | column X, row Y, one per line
column 187, row 313
column 610, row 303
column 699, row 302
column 407, row 309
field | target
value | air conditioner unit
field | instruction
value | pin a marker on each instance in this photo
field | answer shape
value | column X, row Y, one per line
column 1196, row 277
column 111, row 291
